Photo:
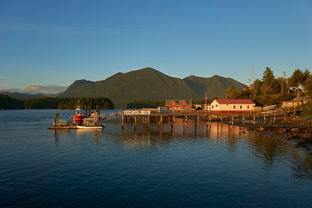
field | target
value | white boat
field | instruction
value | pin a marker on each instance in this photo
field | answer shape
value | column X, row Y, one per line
column 89, row 127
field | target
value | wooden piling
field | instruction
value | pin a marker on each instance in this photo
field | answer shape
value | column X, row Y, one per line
column 56, row 119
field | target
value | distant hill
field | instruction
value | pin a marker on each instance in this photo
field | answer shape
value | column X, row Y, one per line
column 19, row 95
column 150, row 85
column 36, row 89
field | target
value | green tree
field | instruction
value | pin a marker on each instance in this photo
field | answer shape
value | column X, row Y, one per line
column 6, row 102
column 268, row 76
column 305, row 76
column 269, row 83
column 231, row 92
column 298, row 77
column 256, row 87
column 308, row 85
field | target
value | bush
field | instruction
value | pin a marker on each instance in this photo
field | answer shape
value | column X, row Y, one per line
column 307, row 109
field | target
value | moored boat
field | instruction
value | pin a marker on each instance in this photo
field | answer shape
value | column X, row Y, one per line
column 79, row 115
column 89, row 127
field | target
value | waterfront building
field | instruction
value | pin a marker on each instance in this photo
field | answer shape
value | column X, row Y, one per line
column 179, row 104
column 231, row 106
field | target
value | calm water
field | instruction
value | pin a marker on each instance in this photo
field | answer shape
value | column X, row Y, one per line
column 219, row 167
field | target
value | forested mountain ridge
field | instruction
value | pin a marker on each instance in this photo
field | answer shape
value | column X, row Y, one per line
column 150, row 85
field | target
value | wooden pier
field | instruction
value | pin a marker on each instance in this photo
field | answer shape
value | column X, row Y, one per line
column 148, row 117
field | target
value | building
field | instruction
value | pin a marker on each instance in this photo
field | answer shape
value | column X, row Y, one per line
column 179, row 104
column 206, row 104
column 231, row 106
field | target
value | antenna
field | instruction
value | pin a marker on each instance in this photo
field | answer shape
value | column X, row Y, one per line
column 253, row 73
column 253, row 80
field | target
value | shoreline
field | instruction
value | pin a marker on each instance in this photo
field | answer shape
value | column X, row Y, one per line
column 296, row 131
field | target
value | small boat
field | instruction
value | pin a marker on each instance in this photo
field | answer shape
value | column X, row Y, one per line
column 89, row 127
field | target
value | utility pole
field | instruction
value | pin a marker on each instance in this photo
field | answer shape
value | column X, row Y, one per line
column 250, row 87
column 284, row 80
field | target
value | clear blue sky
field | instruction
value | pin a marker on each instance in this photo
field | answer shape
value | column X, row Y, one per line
column 57, row 42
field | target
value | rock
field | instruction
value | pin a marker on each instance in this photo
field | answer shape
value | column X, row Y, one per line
column 289, row 136
column 294, row 130
column 285, row 130
column 306, row 136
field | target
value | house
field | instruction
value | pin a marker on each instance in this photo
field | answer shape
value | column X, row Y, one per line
column 231, row 106
column 297, row 101
column 206, row 104
column 179, row 104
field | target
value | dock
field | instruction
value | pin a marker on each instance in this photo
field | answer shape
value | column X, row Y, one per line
column 146, row 117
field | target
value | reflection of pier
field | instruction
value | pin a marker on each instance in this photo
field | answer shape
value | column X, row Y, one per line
column 147, row 117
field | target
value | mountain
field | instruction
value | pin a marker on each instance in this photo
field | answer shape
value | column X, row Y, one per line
column 18, row 95
column 214, row 86
column 150, row 85
column 37, row 89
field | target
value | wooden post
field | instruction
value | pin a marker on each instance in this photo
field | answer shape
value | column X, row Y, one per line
column 122, row 120
column 171, row 123
column 56, row 119
column 185, row 120
column 148, row 121
column 135, row 121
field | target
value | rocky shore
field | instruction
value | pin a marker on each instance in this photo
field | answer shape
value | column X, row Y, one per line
column 298, row 132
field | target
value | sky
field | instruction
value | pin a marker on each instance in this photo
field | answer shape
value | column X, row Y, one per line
column 57, row 42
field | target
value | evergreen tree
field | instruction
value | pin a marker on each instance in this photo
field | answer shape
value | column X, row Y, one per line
column 269, row 82
column 231, row 92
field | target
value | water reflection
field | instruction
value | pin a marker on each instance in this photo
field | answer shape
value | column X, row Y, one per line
column 270, row 151
column 79, row 134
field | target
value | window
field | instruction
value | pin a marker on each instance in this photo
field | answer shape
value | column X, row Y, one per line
column 240, row 107
column 216, row 105
column 248, row 106
column 234, row 106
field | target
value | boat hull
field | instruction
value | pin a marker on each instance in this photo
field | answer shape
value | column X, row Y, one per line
column 90, row 127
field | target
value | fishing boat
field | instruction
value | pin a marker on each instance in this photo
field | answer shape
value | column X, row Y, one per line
column 79, row 115
column 80, row 120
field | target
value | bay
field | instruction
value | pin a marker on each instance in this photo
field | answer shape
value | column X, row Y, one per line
column 222, row 166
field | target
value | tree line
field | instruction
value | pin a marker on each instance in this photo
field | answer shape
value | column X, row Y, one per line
column 7, row 102
column 270, row 90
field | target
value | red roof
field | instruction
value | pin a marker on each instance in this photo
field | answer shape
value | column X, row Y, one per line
column 234, row 101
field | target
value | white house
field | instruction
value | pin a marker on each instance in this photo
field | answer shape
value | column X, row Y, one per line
column 231, row 106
